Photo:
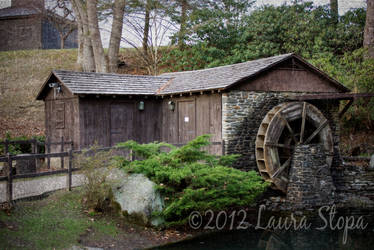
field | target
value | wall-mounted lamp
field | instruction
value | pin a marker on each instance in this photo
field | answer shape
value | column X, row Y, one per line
column 56, row 86
column 141, row 105
column 171, row 105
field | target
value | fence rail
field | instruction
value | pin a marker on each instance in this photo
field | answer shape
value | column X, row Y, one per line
column 8, row 159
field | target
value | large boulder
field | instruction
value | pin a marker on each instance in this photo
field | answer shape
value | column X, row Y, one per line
column 137, row 197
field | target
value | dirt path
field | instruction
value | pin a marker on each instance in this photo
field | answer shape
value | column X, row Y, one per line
column 24, row 188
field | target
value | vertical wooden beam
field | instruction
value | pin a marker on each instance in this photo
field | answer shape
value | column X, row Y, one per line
column 303, row 116
column 70, row 167
column 49, row 151
column 37, row 160
column 223, row 147
column 6, row 146
column 9, row 193
column 34, row 147
column 62, row 150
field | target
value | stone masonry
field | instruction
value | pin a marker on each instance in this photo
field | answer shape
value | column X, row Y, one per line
column 243, row 112
column 310, row 181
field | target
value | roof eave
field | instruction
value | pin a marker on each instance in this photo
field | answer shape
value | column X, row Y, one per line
column 41, row 94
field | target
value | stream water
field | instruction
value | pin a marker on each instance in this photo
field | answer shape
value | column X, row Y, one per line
column 348, row 229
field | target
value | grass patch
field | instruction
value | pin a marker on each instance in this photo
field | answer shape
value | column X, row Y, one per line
column 56, row 222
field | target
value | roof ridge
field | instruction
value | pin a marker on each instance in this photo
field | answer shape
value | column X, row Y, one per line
column 110, row 74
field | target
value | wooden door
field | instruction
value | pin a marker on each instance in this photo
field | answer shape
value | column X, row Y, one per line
column 186, row 121
column 121, row 122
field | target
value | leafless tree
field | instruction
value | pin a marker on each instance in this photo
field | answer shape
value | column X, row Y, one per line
column 92, row 56
column 60, row 14
column 160, row 26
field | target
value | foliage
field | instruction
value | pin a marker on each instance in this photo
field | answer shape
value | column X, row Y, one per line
column 20, row 148
column 95, row 165
column 191, row 179
column 357, row 73
column 301, row 28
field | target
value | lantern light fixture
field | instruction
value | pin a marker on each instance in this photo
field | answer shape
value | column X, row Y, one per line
column 171, row 105
column 141, row 105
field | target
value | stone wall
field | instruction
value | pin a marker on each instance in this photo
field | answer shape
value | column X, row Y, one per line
column 353, row 181
column 243, row 112
column 310, row 181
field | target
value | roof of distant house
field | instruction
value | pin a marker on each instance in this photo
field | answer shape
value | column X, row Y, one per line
column 18, row 11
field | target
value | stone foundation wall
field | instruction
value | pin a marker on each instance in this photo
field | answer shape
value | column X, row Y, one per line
column 310, row 181
column 243, row 112
column 353, row 180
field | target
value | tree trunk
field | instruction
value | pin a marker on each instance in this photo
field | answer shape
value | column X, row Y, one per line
column 62, row 41
column 334, row 10
column 116, row 34
column 146, row 27
column 93, row 24
column 80, row 44
column 369, row 29
column 87, row 59
column 182, row 30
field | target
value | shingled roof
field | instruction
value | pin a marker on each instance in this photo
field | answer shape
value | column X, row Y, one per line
column 18, row 11
column 218, row 77
column 222, row 77
column 226, row 76
column 107, row 84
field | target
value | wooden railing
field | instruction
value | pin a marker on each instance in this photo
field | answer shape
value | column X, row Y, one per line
column 8, row 159
column 35, row 147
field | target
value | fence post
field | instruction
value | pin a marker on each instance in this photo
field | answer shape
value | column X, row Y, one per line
column 9, row 192
column 49, row 151
column 34, row 149
column 69, row 176
column 62, row 150
column 6, row 146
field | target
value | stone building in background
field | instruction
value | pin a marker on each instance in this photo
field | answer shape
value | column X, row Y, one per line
column 25, row 24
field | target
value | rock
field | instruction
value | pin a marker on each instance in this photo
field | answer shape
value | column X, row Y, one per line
column 137, row 197
column 371, row 165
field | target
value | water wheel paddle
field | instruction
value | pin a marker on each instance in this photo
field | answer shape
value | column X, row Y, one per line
column 283, row 127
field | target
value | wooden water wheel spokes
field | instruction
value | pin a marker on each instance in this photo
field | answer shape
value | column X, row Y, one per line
column 283, row 127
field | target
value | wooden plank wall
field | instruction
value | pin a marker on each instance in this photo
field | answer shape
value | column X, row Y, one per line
column 204, row 114
column 289, row 77
column 61, row 115
column 111, row 120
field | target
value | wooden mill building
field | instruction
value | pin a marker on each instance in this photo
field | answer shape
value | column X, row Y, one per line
column 256, row 108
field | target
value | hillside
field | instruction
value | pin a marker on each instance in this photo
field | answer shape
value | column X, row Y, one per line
column 21, row 75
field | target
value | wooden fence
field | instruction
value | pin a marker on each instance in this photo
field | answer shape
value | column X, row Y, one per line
column 8, row 159
column 35, row 147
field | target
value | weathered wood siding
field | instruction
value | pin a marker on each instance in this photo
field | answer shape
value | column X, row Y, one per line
column 62, row 117
column 193, row 116
column 285, row 78
column 108, row 120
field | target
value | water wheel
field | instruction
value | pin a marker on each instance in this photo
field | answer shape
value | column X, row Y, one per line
column 283, row 127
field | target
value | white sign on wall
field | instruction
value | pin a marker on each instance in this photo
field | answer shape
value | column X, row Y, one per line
column 186, row 119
